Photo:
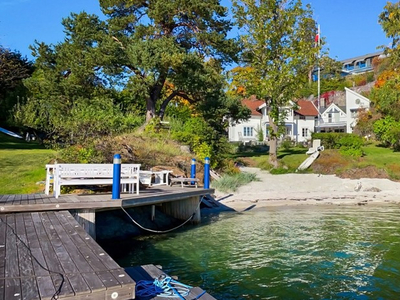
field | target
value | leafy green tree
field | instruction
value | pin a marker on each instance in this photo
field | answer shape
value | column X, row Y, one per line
column 278, row 44
column 13, row 69
column 390, row 22
column 163, row 41
column 142, row 56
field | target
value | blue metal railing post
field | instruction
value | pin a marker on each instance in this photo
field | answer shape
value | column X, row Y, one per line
column 193, row 170
column 207, row 173
column 116, row 186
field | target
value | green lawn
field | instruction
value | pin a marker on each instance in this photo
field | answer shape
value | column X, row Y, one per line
column 379, row 157
column 22, row 165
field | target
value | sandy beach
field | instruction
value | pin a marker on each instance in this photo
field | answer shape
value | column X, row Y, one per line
column 309, row 189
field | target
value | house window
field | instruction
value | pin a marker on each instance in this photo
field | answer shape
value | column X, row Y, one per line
column 304, row 132
column 302, row 117
column 247, row 131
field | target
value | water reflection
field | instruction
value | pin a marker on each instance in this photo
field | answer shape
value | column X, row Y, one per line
column 285, row 253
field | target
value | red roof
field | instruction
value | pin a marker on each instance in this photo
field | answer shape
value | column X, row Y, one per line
column 253, row 103
column 306, row 108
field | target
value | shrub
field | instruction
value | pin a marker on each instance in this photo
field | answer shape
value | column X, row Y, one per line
column 351, row 144
column 232, row 182
column 330, row 140
column 81, row 154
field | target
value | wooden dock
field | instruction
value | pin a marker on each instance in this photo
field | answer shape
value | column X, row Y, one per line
column 46, row 254
column 41, row 202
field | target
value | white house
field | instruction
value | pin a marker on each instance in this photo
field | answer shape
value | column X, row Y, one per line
column 302, row 121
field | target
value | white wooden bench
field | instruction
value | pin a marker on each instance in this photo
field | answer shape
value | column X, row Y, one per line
column 184, row 181
column 160, row 177
column 92, row 174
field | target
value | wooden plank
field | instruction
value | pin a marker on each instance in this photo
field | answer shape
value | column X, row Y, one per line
column 17, row 199
column 29, row 288
column 108, row 279
column 3, row 228
column 78, row 284
column 11, row 267
column 96, row 256
column 24, row 253
column 122, row 277
column 12, row 289
column 46, row 287
column 53, row 229
column 24, row 199
column 94, row 282
column 39, row 264
column 73, row 251
column 4, row 198
column 62, row 284
column 2, row 287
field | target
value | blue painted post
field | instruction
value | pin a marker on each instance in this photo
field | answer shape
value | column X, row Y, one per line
column 116, row 186
column 193, row 170
column 207, row 173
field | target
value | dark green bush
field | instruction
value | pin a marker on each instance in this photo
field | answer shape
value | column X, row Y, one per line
column 351, row 144
column 348, row 143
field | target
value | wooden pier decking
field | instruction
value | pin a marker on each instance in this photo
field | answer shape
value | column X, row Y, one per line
column 45, row 252
column 41, row 202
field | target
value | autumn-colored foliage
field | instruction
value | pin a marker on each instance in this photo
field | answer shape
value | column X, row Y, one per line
column 383, row 77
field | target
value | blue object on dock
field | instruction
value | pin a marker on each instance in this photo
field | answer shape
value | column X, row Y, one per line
column 193, row 171
column 164, row 287
column 207, row 173
column 116, row 186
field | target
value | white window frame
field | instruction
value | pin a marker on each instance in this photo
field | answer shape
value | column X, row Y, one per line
column 248, row 131
column 304, row 132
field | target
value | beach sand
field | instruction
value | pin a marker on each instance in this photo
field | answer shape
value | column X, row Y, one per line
column 309, row 189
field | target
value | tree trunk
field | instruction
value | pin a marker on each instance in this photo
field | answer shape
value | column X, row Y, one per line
column 150, row 109
column 273, row 143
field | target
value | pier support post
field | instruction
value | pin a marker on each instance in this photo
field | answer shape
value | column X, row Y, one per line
column 207, row 173
column 183, row 209
column 116, row 186
column 87, row 219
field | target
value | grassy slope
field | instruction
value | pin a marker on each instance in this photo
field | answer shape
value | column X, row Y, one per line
column 22, row 165
column 332, row 162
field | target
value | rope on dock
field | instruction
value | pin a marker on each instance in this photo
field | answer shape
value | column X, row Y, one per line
column 58, row 291
column 165, row 287
column 162, row 231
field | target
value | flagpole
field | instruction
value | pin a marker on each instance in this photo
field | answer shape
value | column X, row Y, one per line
column 319, row 81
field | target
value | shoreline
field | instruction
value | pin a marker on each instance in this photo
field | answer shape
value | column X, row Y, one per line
column 309, row 189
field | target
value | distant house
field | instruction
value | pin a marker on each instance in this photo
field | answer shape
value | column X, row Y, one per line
column 360, row 64
column 354, row 65
column 302, row 120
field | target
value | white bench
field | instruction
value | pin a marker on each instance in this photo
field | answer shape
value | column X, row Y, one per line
column 183, row 180
column 91, row 174
column 160, row 177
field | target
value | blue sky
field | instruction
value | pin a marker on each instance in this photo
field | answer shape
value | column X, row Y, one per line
column 350, row 26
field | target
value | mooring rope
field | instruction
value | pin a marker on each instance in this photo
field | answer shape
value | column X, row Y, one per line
column 162, row 231
column 165, row 287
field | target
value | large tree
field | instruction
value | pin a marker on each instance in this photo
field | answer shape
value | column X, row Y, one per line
column 13, row 69
column 143, row 45
column 279, row 45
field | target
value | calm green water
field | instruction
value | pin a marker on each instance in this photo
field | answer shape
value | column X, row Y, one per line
column 282, row 253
